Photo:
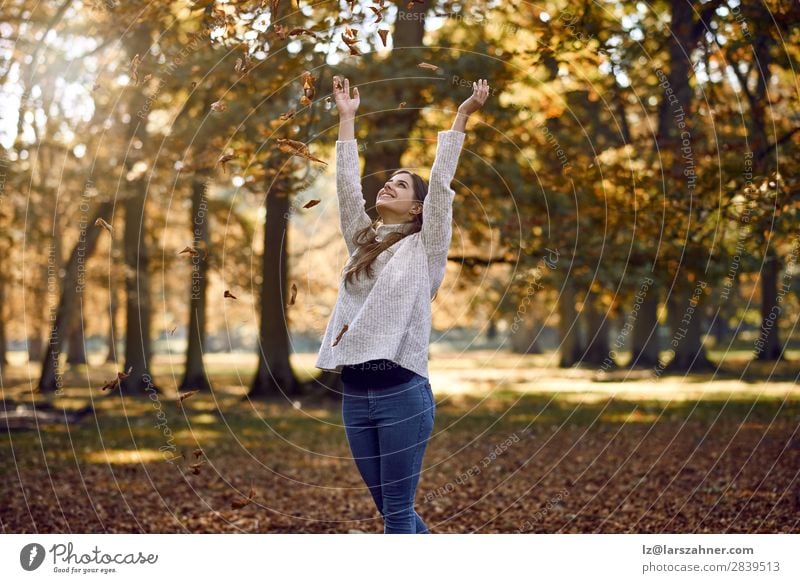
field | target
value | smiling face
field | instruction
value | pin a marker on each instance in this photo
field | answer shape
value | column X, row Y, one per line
column 396, row 201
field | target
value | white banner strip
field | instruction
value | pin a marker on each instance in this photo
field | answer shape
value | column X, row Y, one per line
column 350, row 558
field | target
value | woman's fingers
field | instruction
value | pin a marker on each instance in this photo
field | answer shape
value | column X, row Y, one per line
column 347, row 86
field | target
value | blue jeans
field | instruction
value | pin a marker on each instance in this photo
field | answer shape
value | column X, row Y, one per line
column 387, row 430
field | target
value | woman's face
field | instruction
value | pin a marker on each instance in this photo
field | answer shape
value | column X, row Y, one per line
column 396, row 200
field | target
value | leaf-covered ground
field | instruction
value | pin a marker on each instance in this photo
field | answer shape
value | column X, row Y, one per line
column 499, row 462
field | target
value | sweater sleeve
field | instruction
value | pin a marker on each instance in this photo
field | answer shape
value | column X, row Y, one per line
column 352, row 214
column 437, row 210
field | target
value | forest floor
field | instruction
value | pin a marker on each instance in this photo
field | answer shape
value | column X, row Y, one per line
column 517, row 447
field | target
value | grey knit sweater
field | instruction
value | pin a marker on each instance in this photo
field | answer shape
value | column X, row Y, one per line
column 389, row 315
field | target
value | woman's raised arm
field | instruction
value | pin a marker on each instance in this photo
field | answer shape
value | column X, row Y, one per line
column 352, row 212
column 437, row 209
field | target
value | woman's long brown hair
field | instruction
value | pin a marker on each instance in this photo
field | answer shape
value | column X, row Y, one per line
column 369, row 248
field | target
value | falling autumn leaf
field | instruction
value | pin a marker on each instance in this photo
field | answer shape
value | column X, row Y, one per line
column 424, row 65
column 134, row 69
column 281, row 31
column 382, row 32
column 229, row 155
column 310, row 203
column 294, row 295
column 378, row 12
column 297, row 31
column 237, row 504
column 190, row 250
column 171, row 332
column 288, row 115
column 349, row 36
column 117, row 381
column 228, row 294
column 198, row 452
column 102, row 223
column 297, row 149
column 219, row 106
column 402, row 104
column 339, row 337
column 186, row 395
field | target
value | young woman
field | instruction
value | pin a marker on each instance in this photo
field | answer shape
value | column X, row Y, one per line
column 379, row 331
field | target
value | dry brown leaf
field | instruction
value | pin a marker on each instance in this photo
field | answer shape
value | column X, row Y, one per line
column 294, row 295
column 134, row 69
column 184, row 396
column 229, row 155
column 219, row 106
column 424, row 65
column 102, row 223
column 339, row 337
column 310, row 203
column 382, row 32
column 228, row 294
column 297, row 149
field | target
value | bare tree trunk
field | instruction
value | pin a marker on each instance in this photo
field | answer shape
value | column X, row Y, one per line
column 49, row 381
column 570, row 348
column 769, row 344
column 686, row 320
column 195, row 372
column 113, row 309
column 597, row 336
column 646, row 344
column 76, row 347
column 137, row 254
column 275, row 377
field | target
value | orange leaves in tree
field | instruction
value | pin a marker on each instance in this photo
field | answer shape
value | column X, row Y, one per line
column 296, row 148
column 228, row 294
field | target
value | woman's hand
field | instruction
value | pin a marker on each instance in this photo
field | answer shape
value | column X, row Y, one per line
column 345, row 105
column 480, row 92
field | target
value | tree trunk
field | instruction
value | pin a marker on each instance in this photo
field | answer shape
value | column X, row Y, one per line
column 646, row 344
column 113, row 309
column 524, row 335
column 383, row 152
column 137, row 255
column 76, row 347
column 597, row 325
column 768, row 346
column 3, row 339
column 685, row 316
column 195, row 372
column 568, row 326
column 50, row 379
column 275, row 377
